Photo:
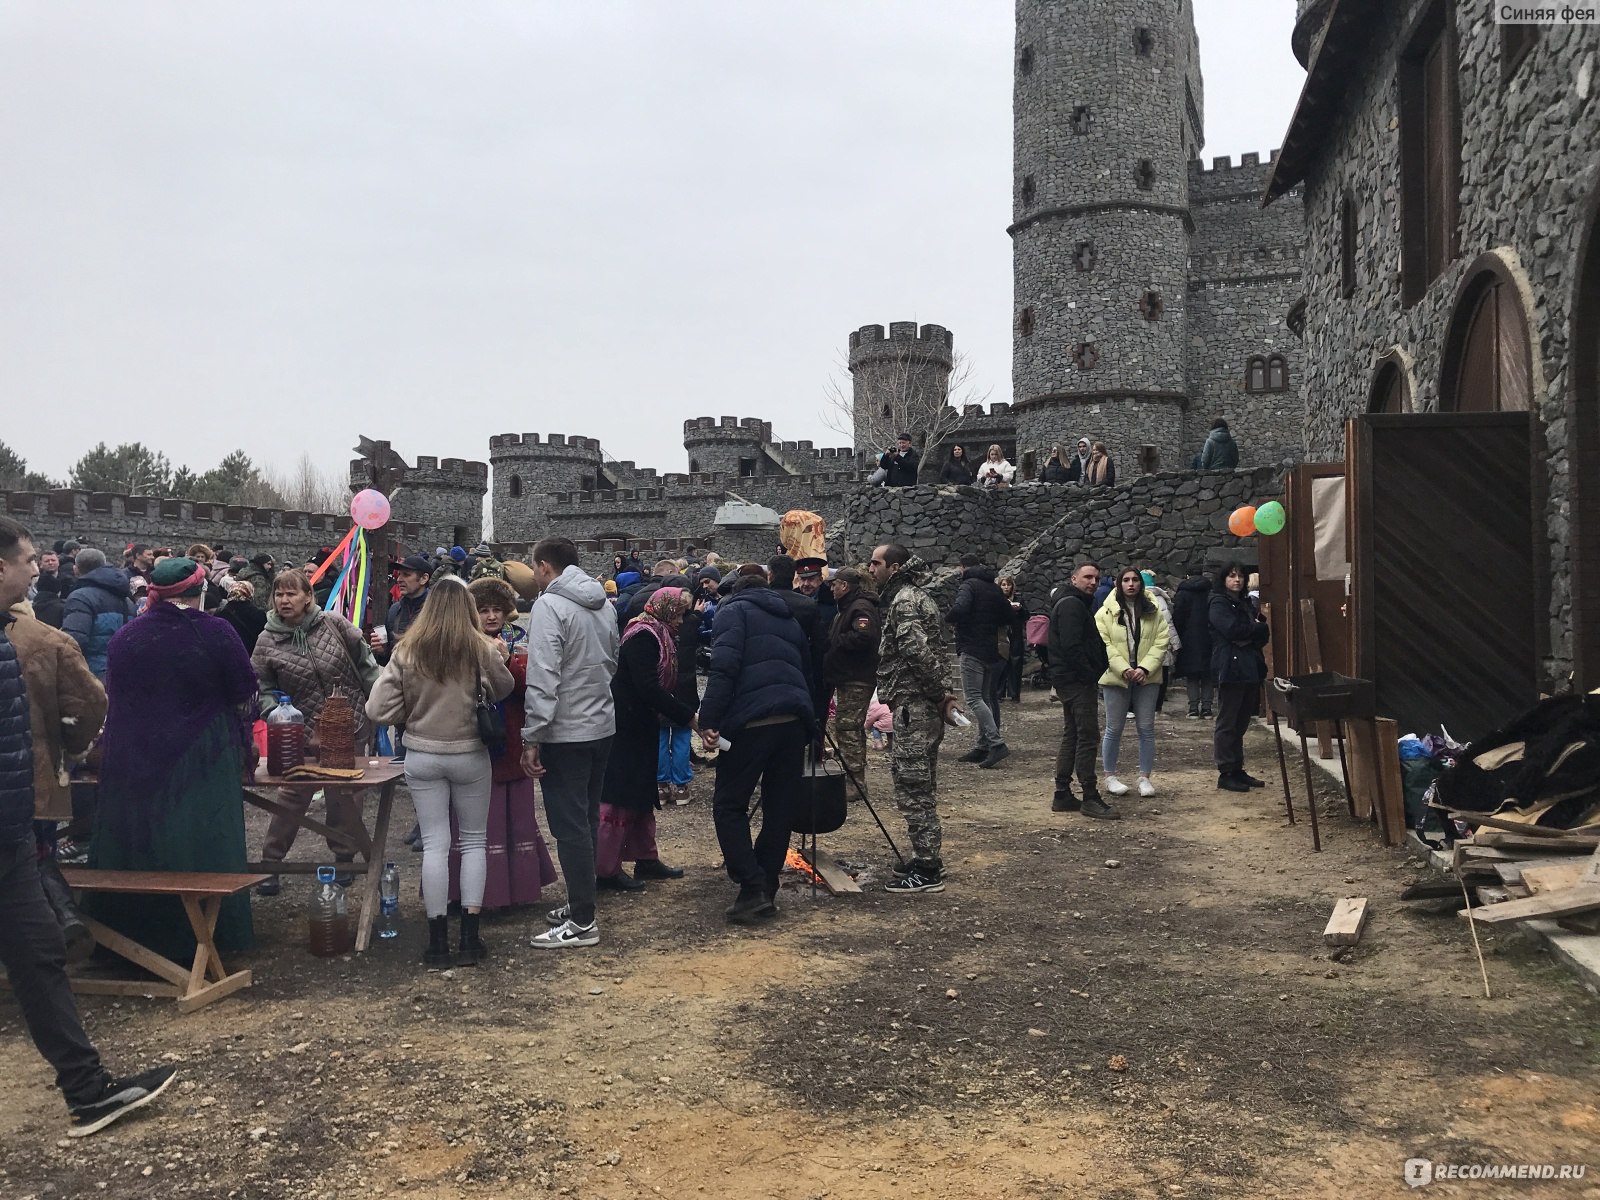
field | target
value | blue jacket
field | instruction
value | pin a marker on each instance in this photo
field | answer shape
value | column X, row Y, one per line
column 16, row 745
column 760, row 663
column 100, row 604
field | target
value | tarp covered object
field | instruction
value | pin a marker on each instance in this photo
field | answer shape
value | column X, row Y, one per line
column 801, row 534
column 1543, row 767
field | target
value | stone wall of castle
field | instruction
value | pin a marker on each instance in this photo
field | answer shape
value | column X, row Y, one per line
column 1245, row 275
column 110, row 522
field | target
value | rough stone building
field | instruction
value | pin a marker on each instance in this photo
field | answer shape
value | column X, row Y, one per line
column 1151, row 295
column 1450, row 170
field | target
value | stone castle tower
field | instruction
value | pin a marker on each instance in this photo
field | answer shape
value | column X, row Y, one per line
column 1106, row 119
column 908, row 371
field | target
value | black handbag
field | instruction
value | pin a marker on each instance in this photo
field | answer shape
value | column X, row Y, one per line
column 491, row 721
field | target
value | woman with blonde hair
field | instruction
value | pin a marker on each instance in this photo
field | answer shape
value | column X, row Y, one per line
column 1100, row 470
column 435, row 680
column 994, row 471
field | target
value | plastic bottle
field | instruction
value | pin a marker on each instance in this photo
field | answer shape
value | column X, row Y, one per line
column 389, row 900
column 286, row 737
column 330, row 919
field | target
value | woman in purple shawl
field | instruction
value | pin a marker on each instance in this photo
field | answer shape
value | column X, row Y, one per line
column 647, row 671
column 181, row 700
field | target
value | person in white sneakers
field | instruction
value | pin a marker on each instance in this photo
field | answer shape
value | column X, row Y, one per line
column 1136, row 635
column 569, row 722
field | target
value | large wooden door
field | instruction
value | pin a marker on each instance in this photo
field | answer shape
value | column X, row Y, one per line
column 1446, row 605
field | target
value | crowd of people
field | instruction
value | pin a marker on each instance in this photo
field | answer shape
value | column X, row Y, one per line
column 1088, row 464
column 493, row 680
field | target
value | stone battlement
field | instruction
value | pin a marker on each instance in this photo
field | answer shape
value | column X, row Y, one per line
column 1225, row 180
column 712, row 428
column 675, row 484
column 532, row 444
column 904, row 337
column 66, row 502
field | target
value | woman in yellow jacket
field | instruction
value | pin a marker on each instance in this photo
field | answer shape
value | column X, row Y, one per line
column 1136, row 636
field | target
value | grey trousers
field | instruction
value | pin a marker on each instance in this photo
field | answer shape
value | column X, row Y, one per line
column 977, row 680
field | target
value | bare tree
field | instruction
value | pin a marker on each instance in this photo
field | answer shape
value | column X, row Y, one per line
column 899, row 393
column 307, row 488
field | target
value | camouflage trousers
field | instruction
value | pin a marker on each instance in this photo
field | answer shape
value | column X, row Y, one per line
column 850, row 732
column 914, row 764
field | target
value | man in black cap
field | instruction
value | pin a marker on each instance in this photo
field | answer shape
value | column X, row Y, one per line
column 412, row 574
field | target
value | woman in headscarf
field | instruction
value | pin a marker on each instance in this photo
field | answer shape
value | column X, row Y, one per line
column 642, row 689
column 308, row 655
column 181, row 699
column 517, row 864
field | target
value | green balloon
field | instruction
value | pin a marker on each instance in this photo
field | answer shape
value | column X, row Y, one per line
column 1270, row 518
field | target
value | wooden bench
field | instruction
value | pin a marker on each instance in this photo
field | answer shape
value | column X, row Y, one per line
column 202, row 894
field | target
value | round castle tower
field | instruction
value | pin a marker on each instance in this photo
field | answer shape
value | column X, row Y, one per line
column 906, row 372
column 1106, row 118
column 527, row 468
column 730, row 446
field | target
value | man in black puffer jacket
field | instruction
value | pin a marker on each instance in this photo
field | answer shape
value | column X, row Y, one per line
column 979, row 613
column 31, row 945
column 1077, row 660
column 758, row 694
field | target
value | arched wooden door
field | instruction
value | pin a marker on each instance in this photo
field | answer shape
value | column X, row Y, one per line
column 1488, row 362
column 1390, row 394
column 1583, row 467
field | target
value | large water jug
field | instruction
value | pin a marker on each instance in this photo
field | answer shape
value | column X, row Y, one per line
column 286, row 737
column 330, row 918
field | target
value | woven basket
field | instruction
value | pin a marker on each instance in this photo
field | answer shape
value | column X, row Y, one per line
column 336, row 733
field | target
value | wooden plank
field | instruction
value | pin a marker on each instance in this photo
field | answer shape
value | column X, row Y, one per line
column 1565, row 903
column 1361, row 744
column 1391, row 787
column 1591, row 873
column 1348, row 920
column 1312, row 638
column 1553, row 877
column 833, row 877
column 1523, row 845
column 1514, row 826
column 160, row 883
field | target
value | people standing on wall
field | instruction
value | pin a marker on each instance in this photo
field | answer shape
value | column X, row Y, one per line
column 31, row 944
column 433, row 684
column 1077, row 469
column 1077, row 661
column 850, row 667
column 647, row 701
column 994, row 472
column 1221, row 452
column 956, row 469
column 758, row 698
column 1238, row 632
column 1191, row 620
column 979, row 613
column 1099, row 471
column 900, row 463
column 568, row 726
column 913, row 681
column 1055, row 469
column 1136, row 637
column 1016, row 639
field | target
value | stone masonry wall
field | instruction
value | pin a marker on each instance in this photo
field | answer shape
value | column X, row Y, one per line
column 1528, row 167
column 1245, row 275
column 110, row 522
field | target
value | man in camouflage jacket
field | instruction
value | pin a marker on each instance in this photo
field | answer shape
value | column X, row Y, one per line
column 487, row 565
column 913, row 680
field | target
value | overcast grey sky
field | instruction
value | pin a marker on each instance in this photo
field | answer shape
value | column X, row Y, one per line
column 278, row 225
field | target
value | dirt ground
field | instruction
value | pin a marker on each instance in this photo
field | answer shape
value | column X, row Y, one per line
column 957, row 1045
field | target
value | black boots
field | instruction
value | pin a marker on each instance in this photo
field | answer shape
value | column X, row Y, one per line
column 654, row 868
column 470, row 951
column 1064, row 801
column 438, row 952
column 1094, row 806
column 80, row 942
column 1232, row 781
column 753, row 904
column 620, row 882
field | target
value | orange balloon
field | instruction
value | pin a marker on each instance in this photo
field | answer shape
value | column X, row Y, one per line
column 1243, row 521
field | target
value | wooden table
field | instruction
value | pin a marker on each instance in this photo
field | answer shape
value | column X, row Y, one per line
column 202, row 894
column 380, row 773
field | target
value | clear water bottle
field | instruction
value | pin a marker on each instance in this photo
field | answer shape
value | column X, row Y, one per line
column 389, row 900
column 330, row 918
column 286, row 737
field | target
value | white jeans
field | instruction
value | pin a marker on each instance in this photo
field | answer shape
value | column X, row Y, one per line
column 437, row 783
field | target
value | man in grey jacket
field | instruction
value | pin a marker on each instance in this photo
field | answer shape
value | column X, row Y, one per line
column 570, row 720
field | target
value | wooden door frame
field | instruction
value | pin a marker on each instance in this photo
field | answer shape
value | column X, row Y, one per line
column 1583, row 442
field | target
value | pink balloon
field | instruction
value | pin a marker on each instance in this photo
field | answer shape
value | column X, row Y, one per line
column 369, row 509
